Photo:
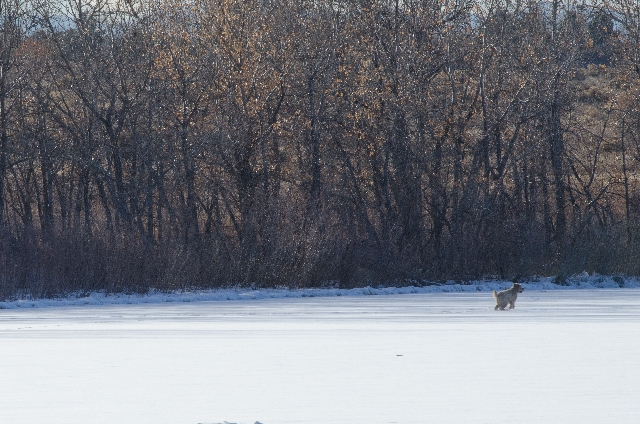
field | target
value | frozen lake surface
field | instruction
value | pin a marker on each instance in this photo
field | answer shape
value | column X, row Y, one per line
column 570, row 356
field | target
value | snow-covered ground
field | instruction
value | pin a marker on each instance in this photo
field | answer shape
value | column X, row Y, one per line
column 581, row 281
column 433, row 355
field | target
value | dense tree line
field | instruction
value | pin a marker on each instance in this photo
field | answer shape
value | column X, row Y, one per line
column 180, row 143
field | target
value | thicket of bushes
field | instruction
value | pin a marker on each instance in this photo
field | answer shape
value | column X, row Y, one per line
column 179, row 143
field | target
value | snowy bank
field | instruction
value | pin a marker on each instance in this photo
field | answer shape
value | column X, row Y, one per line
column 581, row 281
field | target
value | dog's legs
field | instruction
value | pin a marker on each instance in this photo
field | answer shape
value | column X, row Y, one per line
column 512, row 304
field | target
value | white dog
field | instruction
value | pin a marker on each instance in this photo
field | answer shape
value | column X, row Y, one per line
column 507, row 297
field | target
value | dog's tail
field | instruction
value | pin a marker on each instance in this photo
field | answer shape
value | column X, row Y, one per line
column 495, row 295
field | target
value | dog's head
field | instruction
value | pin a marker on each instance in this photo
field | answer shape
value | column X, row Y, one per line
column 518, row 287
